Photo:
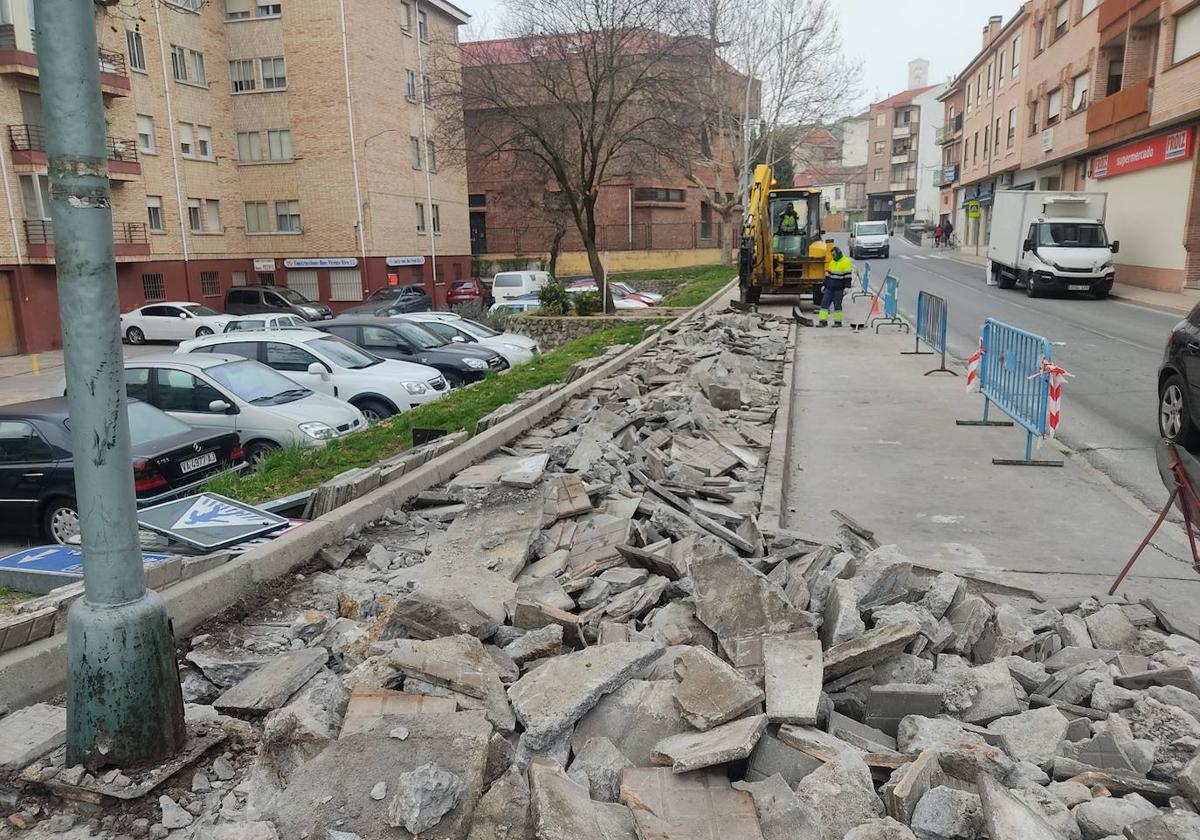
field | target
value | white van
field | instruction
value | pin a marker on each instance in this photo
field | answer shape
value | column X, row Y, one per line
column 870, row 239
column 511, row 284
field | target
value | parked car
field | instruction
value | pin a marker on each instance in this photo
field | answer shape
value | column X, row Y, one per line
column 172, row 321
column 266, row 321
column 507, row 285
column 254, row 300
column 223, row 392
column 870, row 239
column 649, row 297
column 516, row 305
column 169, row 459
column 394, row 338
column 331, row 365
column 467, row 291
column 393, row 300
column 1179, row 384
column 517, row 349
column 621, row 298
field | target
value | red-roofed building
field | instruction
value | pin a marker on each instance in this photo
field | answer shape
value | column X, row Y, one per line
column 902, row 156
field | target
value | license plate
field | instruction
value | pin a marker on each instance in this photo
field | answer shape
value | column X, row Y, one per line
column 193, row 464
column 1079, row 288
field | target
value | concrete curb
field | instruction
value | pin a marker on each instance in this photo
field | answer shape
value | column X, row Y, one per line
column 771, row 507
column 38, row 671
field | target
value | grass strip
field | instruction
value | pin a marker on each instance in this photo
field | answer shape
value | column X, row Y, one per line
column 294, row 469
column 699, row 282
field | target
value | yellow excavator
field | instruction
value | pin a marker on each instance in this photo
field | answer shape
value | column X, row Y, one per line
column 783, row 249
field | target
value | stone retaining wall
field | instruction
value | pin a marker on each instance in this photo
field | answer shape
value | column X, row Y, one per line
column 552, row 332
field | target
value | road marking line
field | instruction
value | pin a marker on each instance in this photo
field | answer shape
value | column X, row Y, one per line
column 919, row 257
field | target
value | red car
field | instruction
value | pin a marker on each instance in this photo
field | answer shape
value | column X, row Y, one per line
column 465, row 291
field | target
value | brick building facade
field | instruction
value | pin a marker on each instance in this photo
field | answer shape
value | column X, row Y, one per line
column 250, row 141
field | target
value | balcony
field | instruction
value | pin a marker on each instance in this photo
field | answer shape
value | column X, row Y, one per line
column 947, row 132
column 1121, row 114
column 129, row 239
column 909, row 185
column 1115, row 16
column 27, row 146
column 904, row 157
column 903, row 131
column 14, row 61
column 946, row 175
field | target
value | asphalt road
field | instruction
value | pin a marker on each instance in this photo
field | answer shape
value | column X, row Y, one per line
column 1111, row 347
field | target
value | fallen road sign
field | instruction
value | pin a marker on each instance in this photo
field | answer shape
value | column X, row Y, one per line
column 40, row 568
column 209, row 521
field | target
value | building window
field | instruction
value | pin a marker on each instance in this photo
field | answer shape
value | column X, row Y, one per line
column 274, row 73
column 35, row 195
column 249, row 145
column 268, row 9
column 1000, row 71
column 406, row 17
column 195, row 219
column 477, row 200
column 154, row 213
column 154, row 287
column 967, row 100
column 1187, row 35
column 187, row 140
column 210, row 284
column 145, row 132
column 237, row 278
column 265, row 278
column 1012, row 126
column 881, row 120
column 877, row 176
column 179, row 63
column 190, row 5
column 212, row 216
column 279, row 144
column 344, row 284
column 427, row 89
column 1062, row 14
column 431, row 150
column 1016, row 56
column 436, row 217
column 420, row 217
column 199, row 76
column 1079, row 92
column 975, row 155
column 705, row 220
column 989, row 81
column 1039, row 31
column 659, row 194
column 1087, row 7
column 1053, row 106
column 241, row 76
column 878, row 147
column 136, row 50
column 258, row 217
column 1033, row 118
column 422, row 26
column 204, row 147
column 996, row 136
column 237, row 9
column 987, row 136
column 415, row 143
column 410, row 85
column 287, row 216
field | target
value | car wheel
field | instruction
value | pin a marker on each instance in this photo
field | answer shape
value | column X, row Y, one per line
column 258, row 450
column 455, row 380
column 135, row 336
column 1031, row 289
column 374, row 410
column 887, row 254
column 203, row 331
column 60, row 520
column 1175, row 413
column 1004, row 280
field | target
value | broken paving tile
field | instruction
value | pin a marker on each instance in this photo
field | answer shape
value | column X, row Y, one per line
column 725, row 743
column 736, row 601
column 564, row 497
column 29, row 733
column 270, row 686
column 689, row 806
column 563, row 810
column 870, row 648
column 709, row 691
column 793, row 678
column 634, row 718
column 368, row 705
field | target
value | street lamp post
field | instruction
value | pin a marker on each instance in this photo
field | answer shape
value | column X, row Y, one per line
column 124, row 705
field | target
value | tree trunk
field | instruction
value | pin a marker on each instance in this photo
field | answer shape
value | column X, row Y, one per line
column 555, row 248
column 593, row 252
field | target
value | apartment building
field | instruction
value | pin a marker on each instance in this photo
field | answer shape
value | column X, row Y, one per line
column 900, row 147
column 250, row 141
column 1105, row 96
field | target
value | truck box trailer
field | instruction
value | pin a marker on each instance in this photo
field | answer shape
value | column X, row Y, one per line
column 1051, row 242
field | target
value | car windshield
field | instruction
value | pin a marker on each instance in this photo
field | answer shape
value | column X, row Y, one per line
column 1071, row 235
column 343, row 353
column 462, row 284
column 234, row 326
column 507, row 281
column 476, row 329
column 418, row 335
column 290, row 295
column 386, row 293
column 443, row 331
column 147, row 423
column 200, row 311
column 257, row 384
column 871, row 229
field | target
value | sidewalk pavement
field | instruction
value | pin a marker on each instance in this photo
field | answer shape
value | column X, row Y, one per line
column 875, row 438
column 1181, row 302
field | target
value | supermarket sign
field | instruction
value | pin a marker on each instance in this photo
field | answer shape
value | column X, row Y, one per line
column 1166, row 148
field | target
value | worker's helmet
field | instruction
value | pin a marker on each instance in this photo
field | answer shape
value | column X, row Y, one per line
column 836, row 252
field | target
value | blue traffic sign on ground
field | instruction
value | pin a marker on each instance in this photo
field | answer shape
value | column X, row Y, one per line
column 40, row 568
column 209, row 521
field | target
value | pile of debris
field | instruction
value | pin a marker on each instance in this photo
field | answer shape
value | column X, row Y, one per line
column 591, row 637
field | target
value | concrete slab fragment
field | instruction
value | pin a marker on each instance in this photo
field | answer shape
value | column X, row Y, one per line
column 735, row 601
column 368, row 705
column 562, row 810
column 872, row 647
column 888, row 704
column 772, row 756
column 694, row 751
column 635, row 718
column 794, row 675
column 689, row 806
column 271, row 685
column 29, row 733
column 709, row 691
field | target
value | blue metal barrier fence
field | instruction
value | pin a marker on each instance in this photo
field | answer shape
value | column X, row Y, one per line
column 864, row 286
column 1011, row 376
column 932, row 314
column 889, row 291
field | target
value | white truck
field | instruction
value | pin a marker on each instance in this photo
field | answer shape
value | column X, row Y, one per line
column 1051, row 242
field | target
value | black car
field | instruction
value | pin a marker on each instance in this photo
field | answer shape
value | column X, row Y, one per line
column 37, row 479
column 261, row 300
column 1179, row 384
column 409, row 342
column 393, row 300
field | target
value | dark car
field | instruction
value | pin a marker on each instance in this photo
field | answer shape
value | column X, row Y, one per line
column 257, row 300
column 393, row 300
column 409, row 342
column 37, row 477
column 1179, row 384
column 467, row 291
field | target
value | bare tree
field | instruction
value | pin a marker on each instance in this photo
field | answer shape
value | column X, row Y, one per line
column 587, row 91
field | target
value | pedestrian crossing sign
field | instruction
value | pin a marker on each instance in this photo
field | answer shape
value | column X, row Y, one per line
column 209, row 521
column 974, row 209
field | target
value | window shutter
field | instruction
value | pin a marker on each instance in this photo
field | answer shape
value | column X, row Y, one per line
column 234, row 8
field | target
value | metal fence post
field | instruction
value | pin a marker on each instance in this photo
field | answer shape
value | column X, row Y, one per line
column 124, row 705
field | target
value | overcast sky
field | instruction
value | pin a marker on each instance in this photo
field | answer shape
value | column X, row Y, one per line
column 883, row 34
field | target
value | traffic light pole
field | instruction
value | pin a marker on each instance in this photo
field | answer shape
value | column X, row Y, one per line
column 124, row 705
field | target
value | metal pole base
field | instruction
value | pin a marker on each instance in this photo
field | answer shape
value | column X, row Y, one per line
column 124, row 704
column 983, row 422
column 941, row 370
column 889, row 322
column 1022, row 462
column 916, row 352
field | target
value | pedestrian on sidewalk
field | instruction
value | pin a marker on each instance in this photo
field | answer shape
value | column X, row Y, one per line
column 937, row 236
column 947, row 231
column 838, row 273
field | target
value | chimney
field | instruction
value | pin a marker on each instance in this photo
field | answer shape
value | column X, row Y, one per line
column 918, row 73
column 994, row 25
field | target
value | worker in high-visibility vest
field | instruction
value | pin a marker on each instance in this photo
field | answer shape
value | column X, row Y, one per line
column 789, row 222
column 838, row 273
